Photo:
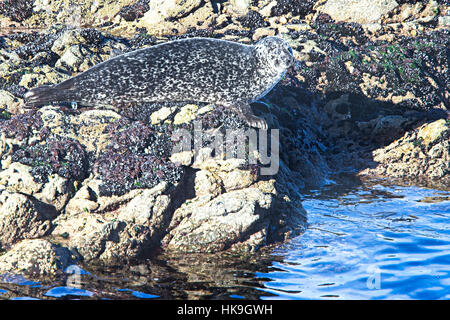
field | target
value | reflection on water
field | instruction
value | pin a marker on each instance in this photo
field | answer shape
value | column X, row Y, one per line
column 363, row 242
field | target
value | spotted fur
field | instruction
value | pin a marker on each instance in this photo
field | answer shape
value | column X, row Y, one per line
column 197, row 69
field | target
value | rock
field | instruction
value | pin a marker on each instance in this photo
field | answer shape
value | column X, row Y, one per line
column 9, row 102
column 206, row 184
column 66, row 40
column 262, row 32
column 42, row 75
column 293, row 7
column 186, row 114
column 388, row 127
column 161, row 115
column 219, row 223
column 241, row 220
column 360, row 11
column 19, row 178
column 21, row 217
column 238, row 7
column 36, row 257
column 420, row 155
column 146, row 208
column 182, row 158
column 48, row 13
column 78, row 58
column 444, row 21
column 163, row 16
column 266, row 10
column 114, row 189
column 88, row 233
column 124, row 230
column 237, row 179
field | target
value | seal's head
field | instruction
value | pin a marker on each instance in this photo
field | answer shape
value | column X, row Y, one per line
column 275, row 53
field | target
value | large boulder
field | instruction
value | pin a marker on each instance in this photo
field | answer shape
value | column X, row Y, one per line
column 361, row 11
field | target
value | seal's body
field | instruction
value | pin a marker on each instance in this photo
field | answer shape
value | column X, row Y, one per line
column 197, row 69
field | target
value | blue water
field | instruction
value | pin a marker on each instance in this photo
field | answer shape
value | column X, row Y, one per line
column 369, row 243
column 366, row 241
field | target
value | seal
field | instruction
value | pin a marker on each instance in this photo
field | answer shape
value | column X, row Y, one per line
column 219, row 72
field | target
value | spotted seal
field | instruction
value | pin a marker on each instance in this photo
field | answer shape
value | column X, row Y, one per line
column 207, row 70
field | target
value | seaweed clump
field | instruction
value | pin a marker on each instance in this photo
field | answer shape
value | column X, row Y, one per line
column 141, row 39
column 137, row 157
column 326, row 27
column 415, row 68
column 224, row 118
column 34, row 43
column 63, row 156
column 21, row 126
column 134, row 11
column 295, row 7
column 16, row 10
column 253, row 20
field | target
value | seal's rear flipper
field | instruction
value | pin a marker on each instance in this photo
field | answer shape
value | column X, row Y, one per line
column 245, row 112
column 44, row 95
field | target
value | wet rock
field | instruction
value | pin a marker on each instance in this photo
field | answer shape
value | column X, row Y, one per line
column 36, row 257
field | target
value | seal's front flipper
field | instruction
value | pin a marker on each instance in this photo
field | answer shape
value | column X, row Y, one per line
column 245, row 112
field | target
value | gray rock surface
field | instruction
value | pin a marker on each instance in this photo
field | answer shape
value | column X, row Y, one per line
column 361, row 11
column 23, row 217
column 36, row 257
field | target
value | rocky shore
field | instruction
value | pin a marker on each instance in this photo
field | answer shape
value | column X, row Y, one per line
column 369, row 96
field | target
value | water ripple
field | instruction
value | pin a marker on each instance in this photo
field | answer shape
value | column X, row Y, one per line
column 370, row 243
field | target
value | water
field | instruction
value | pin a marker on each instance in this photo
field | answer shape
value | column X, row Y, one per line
column 368, row 241
column 374, row 242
